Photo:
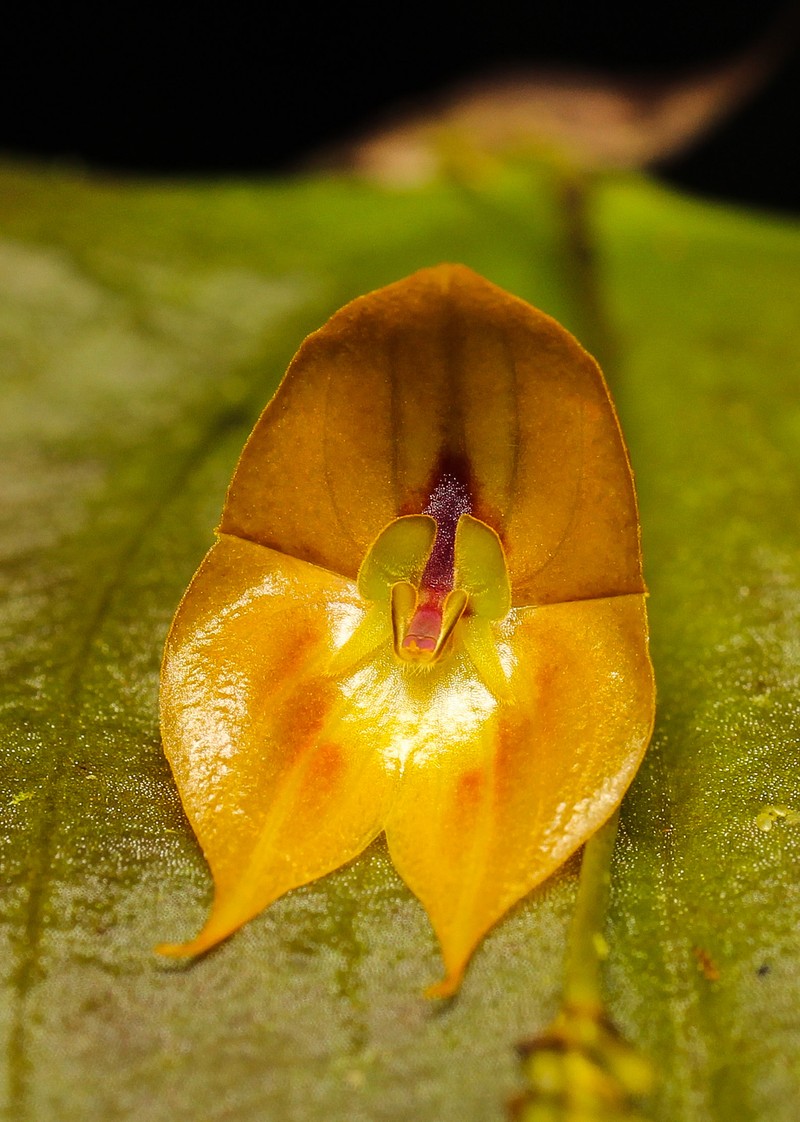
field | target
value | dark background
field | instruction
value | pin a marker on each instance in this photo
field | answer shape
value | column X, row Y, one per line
column 242, row 91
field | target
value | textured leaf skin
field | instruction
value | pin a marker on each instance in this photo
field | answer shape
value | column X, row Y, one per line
column 137, row 324
column 438, row 394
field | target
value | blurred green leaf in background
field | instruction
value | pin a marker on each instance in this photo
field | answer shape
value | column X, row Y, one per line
column 142, row 329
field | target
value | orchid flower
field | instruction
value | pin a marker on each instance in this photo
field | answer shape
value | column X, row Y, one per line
column 424, row 615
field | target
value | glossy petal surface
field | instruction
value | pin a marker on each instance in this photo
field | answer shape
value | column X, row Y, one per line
column 424, row 615
column 510, row 788
column 279, row 783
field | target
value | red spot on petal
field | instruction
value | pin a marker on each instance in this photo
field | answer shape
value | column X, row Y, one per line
column 299, row 638
column 470, row 789
column 300, row 719
column 325, row 771
column 514, row 739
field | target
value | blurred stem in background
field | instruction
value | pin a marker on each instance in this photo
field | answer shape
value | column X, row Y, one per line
column 580, row 1069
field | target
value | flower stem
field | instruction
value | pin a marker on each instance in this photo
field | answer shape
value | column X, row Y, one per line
column 586, row 945
column 580, row 1068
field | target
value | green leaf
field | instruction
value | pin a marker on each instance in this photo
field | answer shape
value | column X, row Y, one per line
column 142, row 328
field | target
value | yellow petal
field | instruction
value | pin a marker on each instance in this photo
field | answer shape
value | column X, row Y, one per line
column 506, row 790
column 278, row 791
column 425, row 614
column 444, row 368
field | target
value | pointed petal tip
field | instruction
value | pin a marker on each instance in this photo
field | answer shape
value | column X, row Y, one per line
column 448, row 987
column 203, row 942
column 177, row 950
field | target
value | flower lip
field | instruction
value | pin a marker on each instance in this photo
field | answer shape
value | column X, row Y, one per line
column 423, row 622
column 425, row 627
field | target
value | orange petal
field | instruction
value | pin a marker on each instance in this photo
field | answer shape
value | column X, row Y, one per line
column 445, row 368
column 276, row 790
column 437, row 406
column 506, row 791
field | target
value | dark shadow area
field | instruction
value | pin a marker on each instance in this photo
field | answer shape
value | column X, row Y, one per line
column 238, row 90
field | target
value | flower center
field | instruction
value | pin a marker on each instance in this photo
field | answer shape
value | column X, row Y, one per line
column 423, row 625
column 434, row 568
column 424, row 629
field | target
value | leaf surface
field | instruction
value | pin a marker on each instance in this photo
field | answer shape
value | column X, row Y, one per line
column 142, row 329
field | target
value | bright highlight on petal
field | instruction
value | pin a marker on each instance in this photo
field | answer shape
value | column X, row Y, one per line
column 424, row 615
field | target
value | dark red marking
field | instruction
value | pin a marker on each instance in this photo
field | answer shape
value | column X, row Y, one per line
column 470, row 788
column 449, row 499
column 326, row 770
column 450, row 496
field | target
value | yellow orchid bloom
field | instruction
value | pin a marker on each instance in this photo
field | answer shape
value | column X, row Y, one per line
column 424, row 615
